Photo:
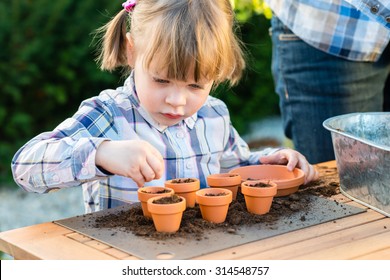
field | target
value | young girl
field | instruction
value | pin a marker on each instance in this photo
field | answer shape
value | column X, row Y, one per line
column 162, row 123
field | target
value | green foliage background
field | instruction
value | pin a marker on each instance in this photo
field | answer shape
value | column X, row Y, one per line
column 47, row 67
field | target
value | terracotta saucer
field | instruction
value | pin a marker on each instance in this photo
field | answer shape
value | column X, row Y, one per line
column 288, row 181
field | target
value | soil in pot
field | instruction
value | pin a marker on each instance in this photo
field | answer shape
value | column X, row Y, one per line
column 168, row 199
column 261, row 185
column 167, row 212
column 216, row 194
column 185, row 187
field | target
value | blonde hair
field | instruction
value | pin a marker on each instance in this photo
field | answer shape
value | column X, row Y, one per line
column 185, row 36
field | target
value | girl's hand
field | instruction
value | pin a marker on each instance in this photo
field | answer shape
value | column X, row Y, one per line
column 293, row 159
column 136, row 159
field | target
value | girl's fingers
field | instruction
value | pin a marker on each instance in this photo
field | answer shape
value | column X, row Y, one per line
column 314, row 174
column 276, row 158
column 138, row 178
column 292, row 163
column 311, row 175
column 156, row 163
column 147, row 172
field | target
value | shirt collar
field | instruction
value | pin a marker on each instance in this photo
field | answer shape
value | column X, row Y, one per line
column 129, row 86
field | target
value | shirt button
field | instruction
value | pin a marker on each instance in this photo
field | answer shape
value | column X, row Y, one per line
column 189, row 165
column 374, row 9
column 180, row 135
column 56, row 178
column 84, row 171
column 190, row 122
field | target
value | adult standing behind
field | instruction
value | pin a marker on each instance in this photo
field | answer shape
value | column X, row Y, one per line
column 330, row 57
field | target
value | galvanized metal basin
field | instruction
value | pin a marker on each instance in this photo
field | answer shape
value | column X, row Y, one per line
column 361, row 143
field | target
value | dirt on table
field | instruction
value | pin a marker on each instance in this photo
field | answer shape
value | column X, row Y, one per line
column 193, row 226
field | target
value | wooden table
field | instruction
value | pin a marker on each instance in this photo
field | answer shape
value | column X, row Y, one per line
column 361, row 236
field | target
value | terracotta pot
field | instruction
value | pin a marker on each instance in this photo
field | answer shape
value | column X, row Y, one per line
column 258, row 200
column 288, row 181
column 184, row 188
column 146, row 193
column 214, row 208
column 166, row 217
column 228, row 181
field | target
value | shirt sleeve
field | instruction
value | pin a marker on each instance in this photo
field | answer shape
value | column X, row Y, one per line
column 378, row 10
column 65, row 157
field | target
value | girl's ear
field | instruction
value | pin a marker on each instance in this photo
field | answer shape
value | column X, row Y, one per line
column 129, row 50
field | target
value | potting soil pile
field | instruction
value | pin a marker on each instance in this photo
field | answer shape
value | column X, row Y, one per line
column 127, row 229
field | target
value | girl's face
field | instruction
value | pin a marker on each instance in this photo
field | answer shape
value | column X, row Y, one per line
column 168, row 101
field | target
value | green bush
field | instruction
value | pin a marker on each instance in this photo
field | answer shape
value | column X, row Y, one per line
column 47, row 68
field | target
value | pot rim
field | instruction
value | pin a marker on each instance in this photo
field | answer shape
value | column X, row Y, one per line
column 183, row 187
column 201, row 198
column 256, row 191
column 223, row 179
column 144, row 196
column 297, row 176
column 165, row 209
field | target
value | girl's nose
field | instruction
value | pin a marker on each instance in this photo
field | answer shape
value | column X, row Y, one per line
column 176, row 98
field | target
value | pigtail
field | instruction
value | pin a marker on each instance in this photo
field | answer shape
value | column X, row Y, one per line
column 112, row 52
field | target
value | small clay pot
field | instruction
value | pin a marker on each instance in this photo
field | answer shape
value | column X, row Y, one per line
column 214, row 203
column 185, row 187
column 145, row 193
column 167, row 217
column 230, row 181
column 258, row 199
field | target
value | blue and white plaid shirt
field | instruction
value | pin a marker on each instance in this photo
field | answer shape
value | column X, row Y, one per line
column 203, row 144
column 360, row 32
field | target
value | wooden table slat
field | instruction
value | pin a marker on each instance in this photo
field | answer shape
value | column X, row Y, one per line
column 325, row 242
column 381, row 254
column 46, row 241
column 97, row 245
column 8, row 239
column 353, row 249
column 79, row 237
column 116, row 253
column 280, row 242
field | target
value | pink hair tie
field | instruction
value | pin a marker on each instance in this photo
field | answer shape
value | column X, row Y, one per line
column 129, row 5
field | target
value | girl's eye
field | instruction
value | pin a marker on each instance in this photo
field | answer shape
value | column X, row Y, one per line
column 160, row 81
column 195, row 86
